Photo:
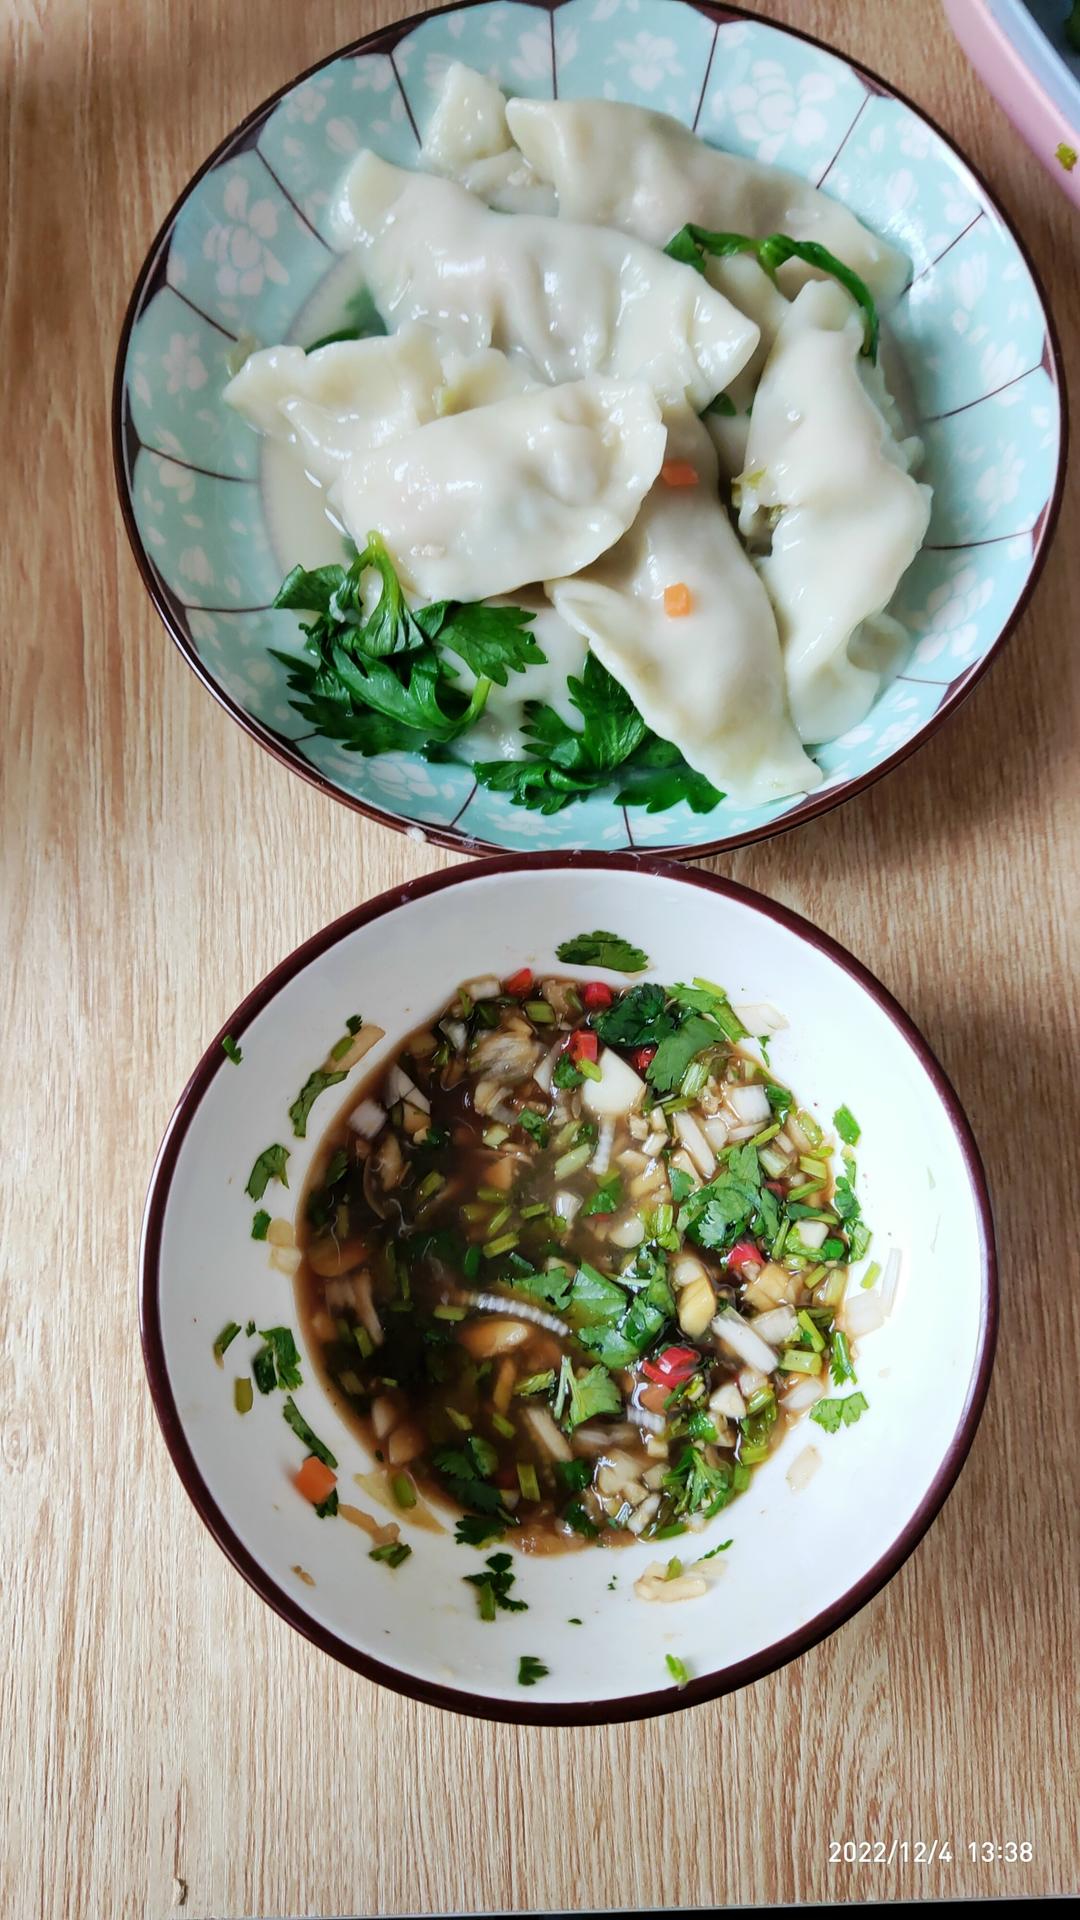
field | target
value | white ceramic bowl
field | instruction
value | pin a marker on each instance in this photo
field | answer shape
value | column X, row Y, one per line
column 801, row 1562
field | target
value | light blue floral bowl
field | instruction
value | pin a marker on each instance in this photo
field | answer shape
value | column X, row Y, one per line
column 249, row 240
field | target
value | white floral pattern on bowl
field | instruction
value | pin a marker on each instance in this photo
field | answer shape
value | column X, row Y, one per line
column 249, row 241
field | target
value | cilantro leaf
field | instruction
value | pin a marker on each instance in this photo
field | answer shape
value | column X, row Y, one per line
column 607, row 1197
column 705, row 998
column 285, row 1355
column 603, row 950
column 578, row 1520
column 834, row 1414
column 493, row 1587
column 639, row 1019
column 270, row 1165
column 231, row 1050
column 259, row 1224
column 694, row 1486
column 295, row 1419
column 594, row 1393
column 535, row 1125
column 315, row 1084
column 552, row 1286
column 473, row 1530
column 536, row 1383
column 530, row 1670
column 674, row 1054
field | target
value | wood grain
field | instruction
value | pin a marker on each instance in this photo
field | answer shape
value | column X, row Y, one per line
column 169, row 1744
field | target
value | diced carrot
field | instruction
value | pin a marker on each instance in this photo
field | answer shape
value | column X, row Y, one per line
column 677, row 599
column 678, row 473
column 315, row 1481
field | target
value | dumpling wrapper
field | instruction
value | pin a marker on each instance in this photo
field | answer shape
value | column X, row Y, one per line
column 711, row 680
column 747, row 285
column 353, row 395
column 824, row 465
column 576, row 300
column 340, row 399
column 468, row 140
column 628, row 167
column 481, row 503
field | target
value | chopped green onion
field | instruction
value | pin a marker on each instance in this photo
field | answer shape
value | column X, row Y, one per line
column 798, row 1360
column 803, row 1193
column 493, row 1248
column 770, row 1133
column 573, row 1161
column 364, row 1342
column 809, row 1126
column 873, row 1272
column 817, row 1167
column 811, row 1332
column 429, row 1185
column 259, row 1224
column 494, row 1136
column 695, row 1077
column 392, row 1554
column 449, row 1313
column 474, row 1210
column 527, row 1480
column 495, row 1194
column 534, row 1212
column 540, row 1013
column 403, row 1490
column 536, row 1383
column 460, row 1420
column 225, row 1339
column 243, row 1397
column 678, row 1670
column 470, row 1266
column 503, row 1426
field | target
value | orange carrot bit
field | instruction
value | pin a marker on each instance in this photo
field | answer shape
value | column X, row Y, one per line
column 315, row 1481
column 678, row 599
column 679, row 473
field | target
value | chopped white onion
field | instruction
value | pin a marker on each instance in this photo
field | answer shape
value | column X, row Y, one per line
column 546, row 1433
column 365, row 1307
column 641, row 1417
column 862, row 1313
column 518, row 1310
column 398, row 1086
column 776, row 1326
column 641, row 1516
column 688, row 1267
column 618, row 1090
column 544, row 1071
column 728, row 1402
column 384, row 1415
column 803, row 1469
column 486, row 989
column 567, row 1205
column 807, row 1388
column 456, row 1032
column 605, row 1140
column 338, row 1294
column 368, row 1119
column 715, row 1130
column 750, row 1379
column 749, row 1104
column 890, row 1280
column 741, row 1339
column 812, row 1233
column 760, row 1018
column 696, row 1145
column 629, row 1232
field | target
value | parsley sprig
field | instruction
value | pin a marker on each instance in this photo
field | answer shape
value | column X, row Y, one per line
column 565, row 764
column 378, row 678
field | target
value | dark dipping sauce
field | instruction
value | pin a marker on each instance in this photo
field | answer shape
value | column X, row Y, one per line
column 516, row 1242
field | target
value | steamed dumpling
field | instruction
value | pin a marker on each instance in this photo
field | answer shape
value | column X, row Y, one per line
column 481, row 503
column 826, row 472
column 340, row 399
column 575, row 300
column 709, row 679
column 468, row 140
column 628, row 167
column 346, row 398
column 747, row 285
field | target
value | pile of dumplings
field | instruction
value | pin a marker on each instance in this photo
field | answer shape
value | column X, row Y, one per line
column 540, row 423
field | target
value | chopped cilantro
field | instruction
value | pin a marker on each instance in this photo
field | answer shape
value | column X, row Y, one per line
column 713, row 1551
column 472, row 1530
column 705, row 997
column 572, row 1475
column 639, row 1019
column 259, row 1225
column 493, row 1587
column 607, row 1197
column 535, row 1125
column 264, row 1370
column 295, row 1419
column 326, row 1509
column 692, row 244
column 230, row 1048
column 270, row 1165
column 536, row 1383
column 530, row 1670
column 566, row 1074
column 315, row 1084
column 834, row 1414
column 674, row 1054
column 283, row 1351
column 847, row 1126
column 840, row 1358
column 603, row 950
column 578, row 1520
column 594, row 1393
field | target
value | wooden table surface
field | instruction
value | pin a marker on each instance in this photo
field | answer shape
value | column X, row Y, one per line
column 167, row 1743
